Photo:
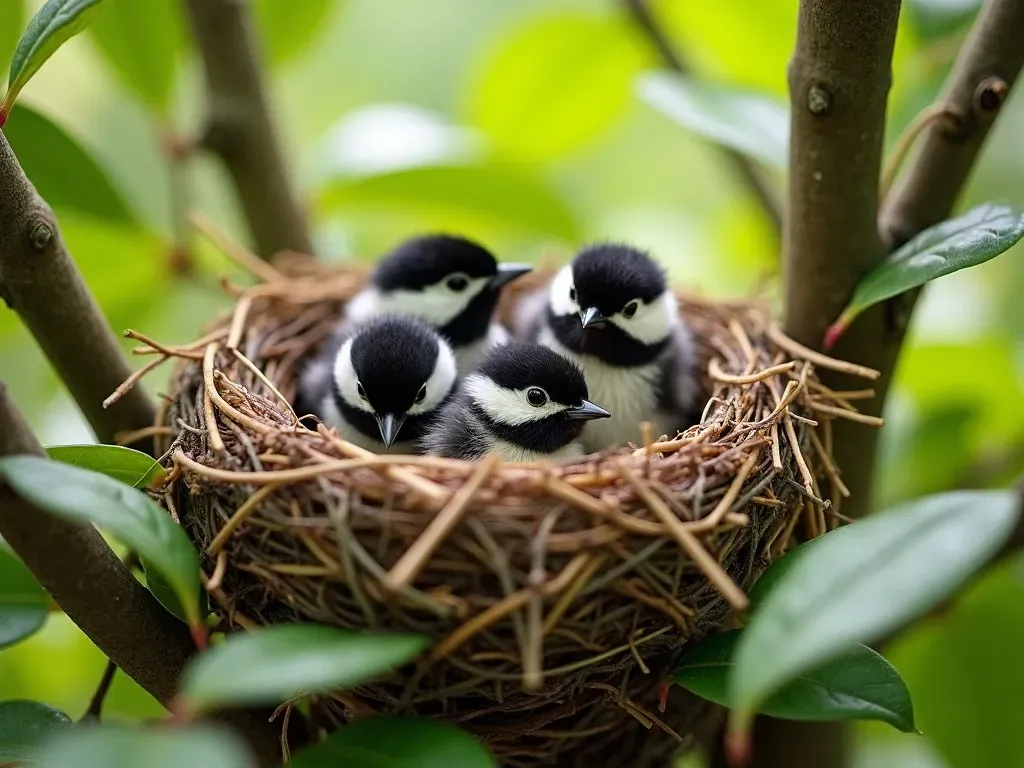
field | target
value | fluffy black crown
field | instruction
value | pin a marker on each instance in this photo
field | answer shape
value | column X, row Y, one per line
column 426, row 260
column 518, row 366
column 610, row 275
column 393, row 357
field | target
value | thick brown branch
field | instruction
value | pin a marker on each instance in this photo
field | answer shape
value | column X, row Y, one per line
column 925, row 194
column 745, row 168
column 240, row 129
column 39, row 280
column 99, row 594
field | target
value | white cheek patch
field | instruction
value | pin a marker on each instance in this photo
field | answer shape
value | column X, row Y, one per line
column 436, row 304
column 346, row 380
column 559, row 299
column 507, row 406
column 440, row 382
column 652, row 322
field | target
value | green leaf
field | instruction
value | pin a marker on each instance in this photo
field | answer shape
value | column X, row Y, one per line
column 857, row 684
column 506, row 196
column 200, row 746
column 753, row 124
column 140, row 39
column 24, row 604
column 64, row 172
column 129, row 466
column 856, row 583
column 52, row 26
column 164, row 593
column 12, row 20
column 396, row 742
column 287, row 28
column 966, row 241
column 267, row 666
column 129, row 515
column 555, row 84
column 25, row 727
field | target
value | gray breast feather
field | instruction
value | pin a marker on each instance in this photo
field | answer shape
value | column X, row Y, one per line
column 680, row 384
column 456, row 432
column 315, row 379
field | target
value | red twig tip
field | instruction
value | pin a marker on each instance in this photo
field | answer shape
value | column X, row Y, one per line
column 834, row 332
column 3, row 117
column 737, row 747
column 199, row 635
column 663, row 690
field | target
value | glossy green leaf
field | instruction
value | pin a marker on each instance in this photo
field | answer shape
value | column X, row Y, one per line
column 26, row 727
column 555, row 84
column 753, row 124
column 966, row 241
column 127, row 514
column 164, row 592
column 129, row 466
column 141, row 39
column 396, row 742
column 65, row 173
column 269, row 665
column 24, row 604
column 12, row 21
column 860, row 581
column 199, row 746
column 857, row 684
column 52, row 26
column 287, row 28
column 505, row 196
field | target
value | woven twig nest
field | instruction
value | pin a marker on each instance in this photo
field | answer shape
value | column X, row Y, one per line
column 556, row 596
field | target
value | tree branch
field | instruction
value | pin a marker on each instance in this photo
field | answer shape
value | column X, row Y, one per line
column 986, row 68
column 240, row 129
column 99, row 594
column 39, row 281
column 742, row 165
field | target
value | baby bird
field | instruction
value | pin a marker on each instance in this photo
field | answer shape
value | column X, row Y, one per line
column 387, row 378
column 612, row 312
column 524, row 403
column 451, row 283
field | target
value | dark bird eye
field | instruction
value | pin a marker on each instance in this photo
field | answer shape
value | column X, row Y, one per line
column 457, row 283
column 536, row 397
column 360, row 391
column 572, row 293
column 422, row 394
column 630, row 309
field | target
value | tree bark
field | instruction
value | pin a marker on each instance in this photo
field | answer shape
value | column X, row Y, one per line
column 745, row 168
column 39, row 281
column 240, row 129
column 100, row 595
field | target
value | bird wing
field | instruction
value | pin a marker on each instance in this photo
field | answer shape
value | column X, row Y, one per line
column 315, row 379
column 680, row 384
column 452, row 433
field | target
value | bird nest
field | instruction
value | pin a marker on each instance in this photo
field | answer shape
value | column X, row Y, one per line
column 556, row 596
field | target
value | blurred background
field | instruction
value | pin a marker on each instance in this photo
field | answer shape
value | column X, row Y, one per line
column 522, row 124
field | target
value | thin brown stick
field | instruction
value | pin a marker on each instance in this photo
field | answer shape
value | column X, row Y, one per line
column 209, row 390
column 128, row 384
column 862, row 418
column 240, row 516
column 716, row 372
column 239, row 254
column 799, row 350
column 415, row 558
column 238, row 318
column 930, row 114
column 721, row 509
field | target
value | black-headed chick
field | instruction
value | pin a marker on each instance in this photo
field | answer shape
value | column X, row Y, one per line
column 451, row 283
column 612, row 312
column 381, row 384
column 524, row 403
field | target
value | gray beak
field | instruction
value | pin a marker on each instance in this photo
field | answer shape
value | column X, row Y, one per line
column 586, row 411
column 591, row 316
column 507, row 273
column 389, row 425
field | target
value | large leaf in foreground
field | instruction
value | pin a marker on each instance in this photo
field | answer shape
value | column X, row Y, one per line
column 200, row 746
column 753, row 124
column 129, row 466
column 858, row 684
column 973, row 238
column 127, row 514
column 269, row 665
column 52, row 26
column 25, row 727
column 856, row 583
column 24, row 605
column 396, row 742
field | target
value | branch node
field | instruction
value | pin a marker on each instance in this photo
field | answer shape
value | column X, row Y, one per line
column 818, row 100
column 989, row 97
column 40, row 234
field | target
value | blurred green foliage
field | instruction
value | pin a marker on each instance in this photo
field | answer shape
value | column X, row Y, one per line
column 518, row 124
